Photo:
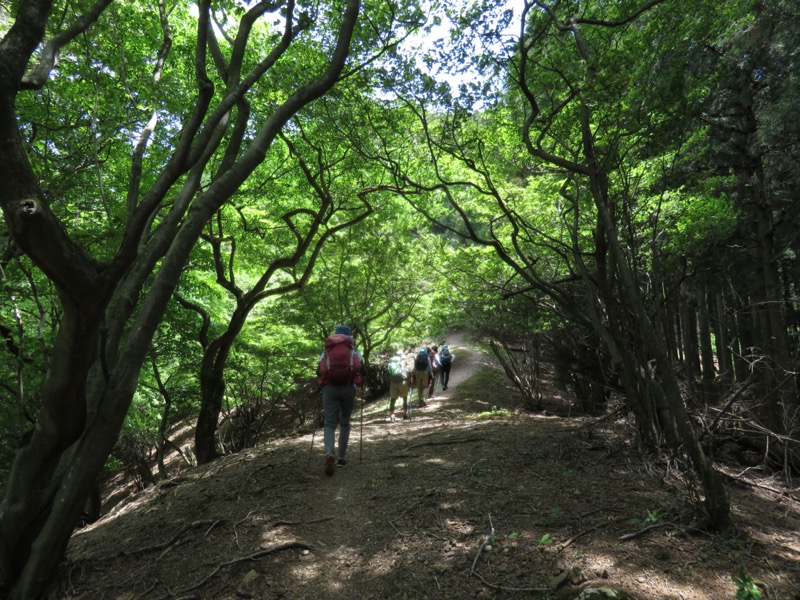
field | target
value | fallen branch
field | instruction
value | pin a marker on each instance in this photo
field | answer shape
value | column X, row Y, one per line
column 146, row 593
column 214, row 524
column 408, row 508
column 393, row 496
column 787, row 493
column 635, row 534
column 259, row 554
column 580, row 534
column 321, row 520
column 170, row 542
column 396, row 530
column 236, row 533
column 495, row 586
column 750, row 380
column 444, row 442
column 509, row 589
column 480, row 548
column 597, row 510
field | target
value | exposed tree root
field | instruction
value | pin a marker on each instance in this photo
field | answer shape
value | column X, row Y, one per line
column 473, row 572
column 255, row 555
column 445, row 442
column 172, row 541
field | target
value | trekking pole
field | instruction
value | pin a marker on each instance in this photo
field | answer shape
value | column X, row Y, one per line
column 361, row 441
column 314, row 431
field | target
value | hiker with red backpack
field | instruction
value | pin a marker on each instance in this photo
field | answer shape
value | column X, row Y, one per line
column 339, row 374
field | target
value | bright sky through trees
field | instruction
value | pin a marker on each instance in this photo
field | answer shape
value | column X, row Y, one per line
column 449, row 47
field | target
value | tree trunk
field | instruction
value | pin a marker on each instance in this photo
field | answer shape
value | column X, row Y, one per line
column 781, row 404
column 664, row 322
column 601, row 308
column 212, row 386
column 745, row 340
column 706, row 349
column 163, row 427
column 788, row 270
column 722, row 337
column 522, row 376
column 679, row 428
column 682, row 434
column 688, row 315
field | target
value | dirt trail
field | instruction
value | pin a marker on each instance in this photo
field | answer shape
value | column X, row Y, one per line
column 448, row 505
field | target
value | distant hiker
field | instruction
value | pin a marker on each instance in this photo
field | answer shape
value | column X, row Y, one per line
column 398, row 383
column 339, row 374
column 422, row 374
column 446, row 360
column 433, row 354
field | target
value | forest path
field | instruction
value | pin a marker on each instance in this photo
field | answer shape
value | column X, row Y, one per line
column 467, row 500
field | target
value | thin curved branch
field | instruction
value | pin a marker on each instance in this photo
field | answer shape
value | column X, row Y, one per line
column 37, row 77
column 246, row 27
column 147, row 132
column 624, row 21
column 188, row 304
column 227, row 280
column 305, row 242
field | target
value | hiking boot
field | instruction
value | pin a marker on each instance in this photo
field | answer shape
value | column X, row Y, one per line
column 405, row 416
column 391, row 417
column 330, row 464
column 342, row 462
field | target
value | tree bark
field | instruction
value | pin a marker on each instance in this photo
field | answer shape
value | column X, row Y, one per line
column 212, row 386
column 722, row 337
column 706, row 349
column 688, row 313
column 679, row 428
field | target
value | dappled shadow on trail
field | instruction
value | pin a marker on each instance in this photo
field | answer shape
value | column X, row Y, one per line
column 467, row 499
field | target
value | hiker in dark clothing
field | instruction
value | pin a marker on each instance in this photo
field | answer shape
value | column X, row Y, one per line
column 445, row 360
column 433, row 354
column 339, row 374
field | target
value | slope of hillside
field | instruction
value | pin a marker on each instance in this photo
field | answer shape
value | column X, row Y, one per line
column 466, row 500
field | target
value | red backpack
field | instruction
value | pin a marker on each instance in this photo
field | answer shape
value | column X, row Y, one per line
column 340, row 363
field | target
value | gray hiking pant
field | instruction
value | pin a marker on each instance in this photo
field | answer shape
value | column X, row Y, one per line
column 337, row 402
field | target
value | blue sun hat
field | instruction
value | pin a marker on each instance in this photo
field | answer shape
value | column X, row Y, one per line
column 343, row 329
